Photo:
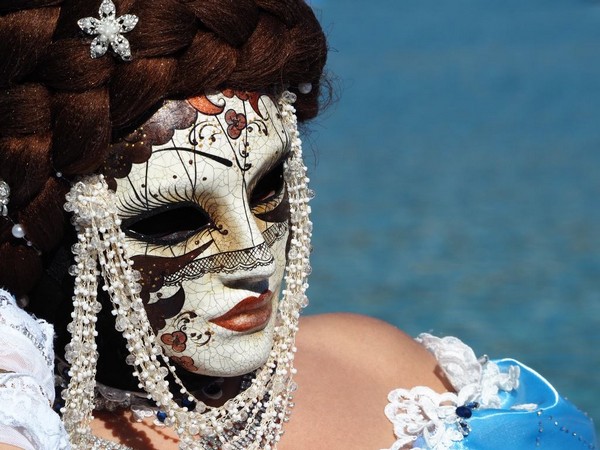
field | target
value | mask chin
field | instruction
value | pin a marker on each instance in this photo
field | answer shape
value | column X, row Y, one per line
column 219, row 351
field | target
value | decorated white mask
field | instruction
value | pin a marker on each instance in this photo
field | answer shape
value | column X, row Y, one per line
column 206, row 217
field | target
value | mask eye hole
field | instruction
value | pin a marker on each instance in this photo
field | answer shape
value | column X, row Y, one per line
column 269, row 187
column 167, row 225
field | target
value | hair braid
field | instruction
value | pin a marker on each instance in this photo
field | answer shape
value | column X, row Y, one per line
column 165, row 27
column 232, row 21
column 18, row 57
column 206, row 50
column 60, row 109
column 81, row 131
column 127, row 108
column 24, row 165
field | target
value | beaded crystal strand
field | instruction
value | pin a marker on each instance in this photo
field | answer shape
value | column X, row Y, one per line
column 251, row 420
column 4, row 198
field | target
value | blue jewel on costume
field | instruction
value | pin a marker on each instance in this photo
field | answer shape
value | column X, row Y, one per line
column 161, row 416
column 531, row 417
column 465, row 412
column 189, row 404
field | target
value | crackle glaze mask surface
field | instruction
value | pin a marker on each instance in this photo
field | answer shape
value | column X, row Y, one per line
column 206, row 217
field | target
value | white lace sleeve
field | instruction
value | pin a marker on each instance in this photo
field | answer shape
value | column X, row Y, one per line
column 27, row 381
column 435, row 419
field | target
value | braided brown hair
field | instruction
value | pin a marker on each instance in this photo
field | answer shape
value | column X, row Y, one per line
column 60, row 109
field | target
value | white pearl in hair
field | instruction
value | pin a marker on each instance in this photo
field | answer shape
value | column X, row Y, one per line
column 305, row 88
column 18, row 231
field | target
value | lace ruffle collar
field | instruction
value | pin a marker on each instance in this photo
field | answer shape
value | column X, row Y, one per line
column 439, row 419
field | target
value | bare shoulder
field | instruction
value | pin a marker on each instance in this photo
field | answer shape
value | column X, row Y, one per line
column 347, row 365
column 366, row 343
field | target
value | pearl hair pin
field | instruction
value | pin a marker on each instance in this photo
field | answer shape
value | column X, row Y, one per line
column 305, row 88
column 108, row 29
column 17, row 230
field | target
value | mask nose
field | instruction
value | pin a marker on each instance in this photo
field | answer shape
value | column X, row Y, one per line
column 249, row 263
column 249, row 268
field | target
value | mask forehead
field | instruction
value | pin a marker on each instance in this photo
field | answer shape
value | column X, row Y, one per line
column 239, row 140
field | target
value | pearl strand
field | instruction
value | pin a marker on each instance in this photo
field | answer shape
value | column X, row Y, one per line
column 251, row 420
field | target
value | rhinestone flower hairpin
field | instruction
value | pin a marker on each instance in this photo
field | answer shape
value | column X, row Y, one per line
column 108, row 29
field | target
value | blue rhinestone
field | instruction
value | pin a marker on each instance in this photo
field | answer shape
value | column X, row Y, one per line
column 191, row 405
column 472, row 405
column 161, row 416
column 464, row 412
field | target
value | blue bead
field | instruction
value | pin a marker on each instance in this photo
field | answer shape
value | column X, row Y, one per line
column 464, row 412
column 191, row 405
column 161, row 416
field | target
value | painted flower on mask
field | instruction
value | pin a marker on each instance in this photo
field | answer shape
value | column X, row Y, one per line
column 176, row 340
column 236, row 121
column 252, row 98
column 185, row 362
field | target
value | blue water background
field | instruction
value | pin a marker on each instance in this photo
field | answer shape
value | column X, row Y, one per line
column 458, row 177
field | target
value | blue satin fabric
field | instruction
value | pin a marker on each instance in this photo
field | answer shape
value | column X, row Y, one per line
column 555, row 424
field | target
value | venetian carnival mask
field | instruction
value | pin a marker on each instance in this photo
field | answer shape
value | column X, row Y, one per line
column 206, row 219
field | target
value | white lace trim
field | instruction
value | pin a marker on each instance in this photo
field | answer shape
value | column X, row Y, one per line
column 32, row 423
column 27, row 381
column 421, row 412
